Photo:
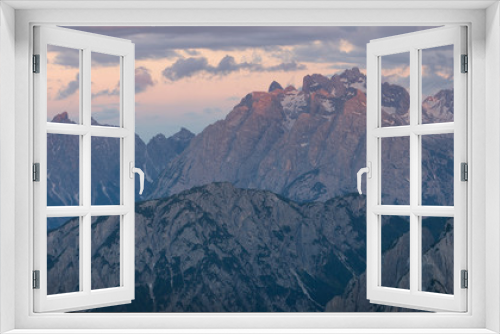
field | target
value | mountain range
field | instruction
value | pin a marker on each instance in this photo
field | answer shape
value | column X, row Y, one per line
column 218, row 248
column 256, row 212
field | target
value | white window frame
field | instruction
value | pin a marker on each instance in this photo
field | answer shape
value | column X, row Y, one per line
column 413, row 44
column 484, row 149
column 85, row 44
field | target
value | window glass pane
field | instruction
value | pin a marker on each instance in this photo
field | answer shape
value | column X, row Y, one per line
column 437, row 169
column 63, row 170
column 105, row 252
column 437, row 254
column 395, row 246
column 395, row 171
column 63, row 259
column 105, row 171
column 437, row 84
column 395, row 80
column 105, row 89
column 63, row 84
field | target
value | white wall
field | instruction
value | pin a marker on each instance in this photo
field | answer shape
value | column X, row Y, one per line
column 492, row 164
column 7, row 163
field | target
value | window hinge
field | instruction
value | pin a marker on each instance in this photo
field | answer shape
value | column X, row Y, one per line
column 36, row 279
column 465, row 279
column 36, row 63
column 36, row 172
column 465, row 64
column 464, row 170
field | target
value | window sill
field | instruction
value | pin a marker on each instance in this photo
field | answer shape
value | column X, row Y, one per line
column 248, row 331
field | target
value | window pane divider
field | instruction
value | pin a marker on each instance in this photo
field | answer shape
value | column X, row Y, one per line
column 419, row 210
column 75, row 211
column 434, row 128
column 419, row 129
column 415, row 246
column 392, row 210
column 76, row 129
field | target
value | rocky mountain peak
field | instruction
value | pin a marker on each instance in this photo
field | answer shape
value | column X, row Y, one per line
column 439, row 107
column 62, row 118
column 316, row 82
column 290, row 90
column 353, row 75
column 183, row 134
column 397, row 97
column 274, row 85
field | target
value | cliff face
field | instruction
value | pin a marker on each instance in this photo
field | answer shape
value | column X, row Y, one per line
column 218, row 248
column 308, row 145
column 437, row 270
column 256, row 213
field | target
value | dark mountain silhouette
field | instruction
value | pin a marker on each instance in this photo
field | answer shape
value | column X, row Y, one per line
column 63, row 165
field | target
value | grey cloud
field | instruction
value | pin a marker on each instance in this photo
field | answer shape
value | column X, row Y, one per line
column 67, row 57
column 161, row 42
column 143, row 79
column 108, row 92
column 100, row 59
column 287, row 67
column 185, row 68
column 192, row 52
column 439, row 69
column 70, row 89
column 71, row 58
column 188, row 67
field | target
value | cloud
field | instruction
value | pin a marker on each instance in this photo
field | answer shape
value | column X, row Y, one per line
column 286, row 67
column 185, row 68
column 143, row 79
column 437, row 69
column 345, row 46
column 101, row 59
column 107, row 92
column 66, row 57
column 192, row 52
column 71, row 58
column 165, row 42
column 188, row 67
column 70, row 89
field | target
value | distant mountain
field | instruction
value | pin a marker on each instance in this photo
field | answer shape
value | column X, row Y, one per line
column 256, row 213
column 155, row 156
column 218, row 248
column 63, row 165
column 308, row 145
column 437, row 265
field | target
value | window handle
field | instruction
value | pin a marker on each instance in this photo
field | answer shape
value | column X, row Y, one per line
column 368, row 171
column 141, row 175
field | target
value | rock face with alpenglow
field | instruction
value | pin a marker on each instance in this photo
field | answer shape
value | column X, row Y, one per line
column 305, row 145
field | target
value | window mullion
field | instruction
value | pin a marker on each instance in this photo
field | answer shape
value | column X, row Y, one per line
column 86, row 165
column 414, row 171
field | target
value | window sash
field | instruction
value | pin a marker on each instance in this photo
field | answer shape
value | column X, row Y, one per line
column 86, row 297
column 413, row 43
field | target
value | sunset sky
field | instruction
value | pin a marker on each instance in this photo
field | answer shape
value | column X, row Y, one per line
column 193, row 76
